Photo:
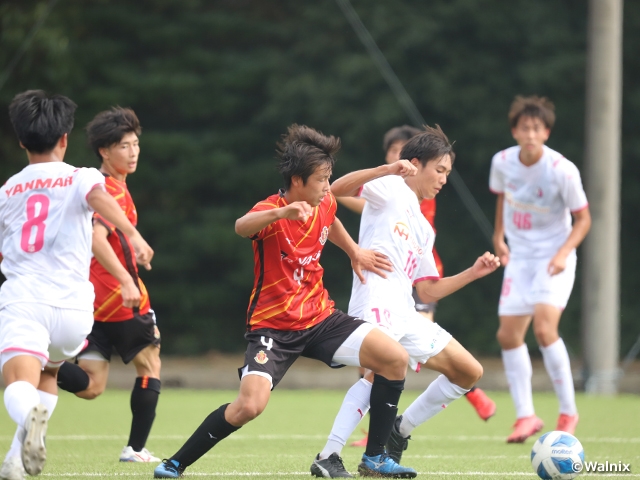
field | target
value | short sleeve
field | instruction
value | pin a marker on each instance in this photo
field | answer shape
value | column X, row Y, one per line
column 262, row 207
column 571, row 188
column 427, row 269
column 378, row 192
column 85, row 180
column 496, row 176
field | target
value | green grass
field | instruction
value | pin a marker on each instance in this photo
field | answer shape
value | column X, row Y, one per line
column 85, row 437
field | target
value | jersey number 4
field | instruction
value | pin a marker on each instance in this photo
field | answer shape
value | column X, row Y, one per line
column 32, row 239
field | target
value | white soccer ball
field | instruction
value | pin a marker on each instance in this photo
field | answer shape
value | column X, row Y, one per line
column 557, row 455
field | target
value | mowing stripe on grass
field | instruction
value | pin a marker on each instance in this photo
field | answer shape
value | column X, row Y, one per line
column 289, row 474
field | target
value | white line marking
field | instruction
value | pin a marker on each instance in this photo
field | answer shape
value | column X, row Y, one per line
column 289, row 474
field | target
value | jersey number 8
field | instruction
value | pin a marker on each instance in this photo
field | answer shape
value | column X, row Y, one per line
column 31, row 241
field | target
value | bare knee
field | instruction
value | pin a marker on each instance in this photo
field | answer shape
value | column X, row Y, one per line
column 508, row 339
column 93, row 391
column 243, row 410
column 545, row 334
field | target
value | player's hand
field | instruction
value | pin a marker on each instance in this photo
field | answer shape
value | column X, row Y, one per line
column 144, row 253
column 557, row 264
column 372, row 261
column 501, row 250
column 485, row 265
column 296, row 211
column 403, row 168
column 130, row 294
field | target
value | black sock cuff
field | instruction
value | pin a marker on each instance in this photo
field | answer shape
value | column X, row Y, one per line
column 392, row 384
column 147, row 383
column 228, row 429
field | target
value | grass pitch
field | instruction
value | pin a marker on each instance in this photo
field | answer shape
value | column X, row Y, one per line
column 85, row 437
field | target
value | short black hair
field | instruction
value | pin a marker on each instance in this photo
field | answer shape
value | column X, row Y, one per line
column 430, row 144
column 107, row 128
column 40, row 120
column 398, row 134
column 534, row 107
column 304, row 149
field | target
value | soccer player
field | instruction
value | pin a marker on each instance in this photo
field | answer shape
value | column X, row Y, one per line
column 46, row 300
column 122, row 312
column 393, row 224
column 538, row 191
column 393, row 142
column 291, row 314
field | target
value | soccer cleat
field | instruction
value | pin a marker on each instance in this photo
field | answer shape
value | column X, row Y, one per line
column 383, row 466
column 168, row 469
column 397, row 443
column 362, row 442
column 128, row 454
column 330, row 467
column 34, row 449
column 524, row 428
column 485, row 407
column 12, row 469
column 567, row 423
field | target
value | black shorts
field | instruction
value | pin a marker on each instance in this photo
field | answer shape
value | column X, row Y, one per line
column 128, row 337
column 273, row 351
column 421, row 306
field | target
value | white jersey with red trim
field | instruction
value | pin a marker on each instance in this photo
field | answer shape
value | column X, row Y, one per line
column 45, row 235
column 393, row 224
column 538, row 200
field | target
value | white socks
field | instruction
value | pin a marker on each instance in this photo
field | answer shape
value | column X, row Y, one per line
column 517, row 367
column 556, row 361
column 49, row 401
column 19, row 398
column 438, row 395
column 354, row 407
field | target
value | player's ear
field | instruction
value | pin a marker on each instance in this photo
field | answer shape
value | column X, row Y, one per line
column 64, row 141
column 296, row 181
column 415, row 162
column 104, row 153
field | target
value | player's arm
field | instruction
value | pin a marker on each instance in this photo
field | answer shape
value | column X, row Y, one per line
column 251, row 223
column 104, row 204
column 361, row 259
column 109, row 260
column 348, row 185
column 499, row 245
column 352, row 203
column 581, row 226
column 433, row 290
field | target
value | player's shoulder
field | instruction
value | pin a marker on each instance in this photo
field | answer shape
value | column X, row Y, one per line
column 560, row 165
column 506, row 156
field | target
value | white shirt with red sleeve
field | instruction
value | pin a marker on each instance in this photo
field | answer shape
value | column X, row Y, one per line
column 393, row 224
column 46, row 230
column 538, row 200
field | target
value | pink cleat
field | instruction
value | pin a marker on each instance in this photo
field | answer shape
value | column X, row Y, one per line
column 485, row 407
column 567, row 423
column 524, row 428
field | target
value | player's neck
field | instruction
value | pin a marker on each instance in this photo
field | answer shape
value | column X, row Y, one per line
column 530, row 158
column 48, row 157
column 121, row 177
column 414, row 188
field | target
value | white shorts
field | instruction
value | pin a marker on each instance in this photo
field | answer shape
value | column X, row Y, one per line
column 527, row 283
column 420, row 337
column 49, row 333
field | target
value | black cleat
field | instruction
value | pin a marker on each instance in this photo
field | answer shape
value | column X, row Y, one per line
column 331, row 467
column 397, row 443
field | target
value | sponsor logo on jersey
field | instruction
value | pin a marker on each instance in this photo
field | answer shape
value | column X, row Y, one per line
column 324, row 235
column 38, row 184
column 309, row 258
column 261, row 357
column 404, row 232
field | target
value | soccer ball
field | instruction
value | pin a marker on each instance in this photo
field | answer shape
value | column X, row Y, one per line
column 557, row 455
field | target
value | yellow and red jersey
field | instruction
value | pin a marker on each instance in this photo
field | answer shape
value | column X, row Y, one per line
column 107, row 306
column 428, row 209
column 288, row 293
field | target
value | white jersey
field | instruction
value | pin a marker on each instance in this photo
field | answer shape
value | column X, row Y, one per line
column 538, row 200
column 45, row 235
column 393, row 224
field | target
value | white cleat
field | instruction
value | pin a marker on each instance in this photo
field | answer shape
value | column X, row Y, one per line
column 143, row 456
column 12, row 469
column 34, row 449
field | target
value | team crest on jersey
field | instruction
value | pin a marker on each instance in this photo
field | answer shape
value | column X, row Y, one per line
column 156, row 332
column 324, row 235
column 261, row 357
column 539, row 193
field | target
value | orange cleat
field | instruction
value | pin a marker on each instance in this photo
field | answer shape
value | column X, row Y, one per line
column 361, row 442
column 567, row 423
column 524, row 428
column 485, row 407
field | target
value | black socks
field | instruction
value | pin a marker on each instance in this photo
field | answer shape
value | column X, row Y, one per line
column 385, row 395
column 144, row 399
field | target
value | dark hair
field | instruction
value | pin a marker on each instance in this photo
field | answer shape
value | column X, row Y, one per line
column 429, row 144
column 107, row 128
column 535, row 107
column 398, row 134
column 39, row 120
column 304, row 149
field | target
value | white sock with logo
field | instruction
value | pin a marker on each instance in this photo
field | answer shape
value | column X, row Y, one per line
column 353, row 409
column 556, row 361
column 438, row 395
column 517, row 367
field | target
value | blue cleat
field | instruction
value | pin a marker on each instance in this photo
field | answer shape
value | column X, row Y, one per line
column 383, row 466
column 168, row 469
